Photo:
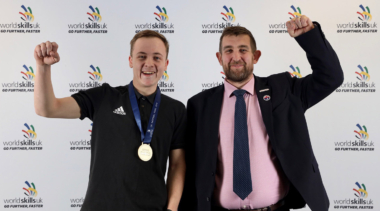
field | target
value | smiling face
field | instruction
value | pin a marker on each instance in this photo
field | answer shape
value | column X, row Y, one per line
column 237, row 58
column 148, row 61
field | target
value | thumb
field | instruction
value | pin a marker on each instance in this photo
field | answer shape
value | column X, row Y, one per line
column 55, row 56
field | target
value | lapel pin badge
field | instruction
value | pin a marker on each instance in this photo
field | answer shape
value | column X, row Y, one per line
column 266, row 97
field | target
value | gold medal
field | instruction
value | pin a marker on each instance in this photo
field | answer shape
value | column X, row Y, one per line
column 145, row 152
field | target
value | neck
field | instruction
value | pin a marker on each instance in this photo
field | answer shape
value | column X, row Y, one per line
column 240, row 84
column 145, row 91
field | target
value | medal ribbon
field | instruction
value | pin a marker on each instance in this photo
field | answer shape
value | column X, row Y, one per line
column 145, row 138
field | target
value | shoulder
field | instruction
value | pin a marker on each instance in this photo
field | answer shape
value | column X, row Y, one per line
column 277, row 81
column 173, row 103
column 202, row 96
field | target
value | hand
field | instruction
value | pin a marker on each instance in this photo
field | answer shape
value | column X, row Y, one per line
column 299, row 25
column 46, row 53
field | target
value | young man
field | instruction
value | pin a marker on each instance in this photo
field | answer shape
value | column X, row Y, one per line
column 135, row 129
column 244, row 151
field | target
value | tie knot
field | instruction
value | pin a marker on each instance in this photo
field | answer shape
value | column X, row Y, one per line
column 239, row 92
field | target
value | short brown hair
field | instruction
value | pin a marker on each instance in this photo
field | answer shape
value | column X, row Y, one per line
column 150, row 33
column 237, row 30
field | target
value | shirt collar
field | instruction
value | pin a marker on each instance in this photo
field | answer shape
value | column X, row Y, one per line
column 249, row 87
column 150, row 97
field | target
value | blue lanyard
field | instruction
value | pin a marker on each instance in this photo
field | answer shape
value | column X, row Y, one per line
column 145, row 138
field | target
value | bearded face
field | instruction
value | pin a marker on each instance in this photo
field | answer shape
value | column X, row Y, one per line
column 237, row 58
column 237, row 71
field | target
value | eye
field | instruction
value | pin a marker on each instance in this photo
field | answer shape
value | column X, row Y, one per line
column 243, row 50
column 229, row 51
column 157, row 58
column 141, row 57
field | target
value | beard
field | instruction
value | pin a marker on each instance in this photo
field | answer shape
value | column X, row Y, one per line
column 237, row 75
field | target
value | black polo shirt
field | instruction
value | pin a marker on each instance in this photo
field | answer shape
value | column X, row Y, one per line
column 119, row 180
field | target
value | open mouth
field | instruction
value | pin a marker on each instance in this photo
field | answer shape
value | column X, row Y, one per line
column 148, row 73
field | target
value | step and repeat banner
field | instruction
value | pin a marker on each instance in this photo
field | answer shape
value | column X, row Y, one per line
column 45, row 162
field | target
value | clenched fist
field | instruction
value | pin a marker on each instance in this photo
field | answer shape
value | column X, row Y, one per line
column 299, row 25
column 46, row 53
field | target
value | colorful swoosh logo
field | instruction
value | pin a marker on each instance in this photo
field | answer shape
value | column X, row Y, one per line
column 362, row 133
column 30, row 190
column 30, row 132
column 29, row 74
column 229, row 16
column 94, row 15
column 162, row 16
column 296, row 12
column 364, row 15
column 95, row 74
column 27, row 15
column 363, row 74
column 361, row 192
column 165, row 76
column 296, row 72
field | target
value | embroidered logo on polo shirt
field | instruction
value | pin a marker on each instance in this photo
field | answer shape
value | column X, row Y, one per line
column 119, row 111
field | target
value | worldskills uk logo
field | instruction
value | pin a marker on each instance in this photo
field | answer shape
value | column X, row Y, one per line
column 26, row 85
column 27, row 15
column 364, row 15
column 95, row 15
column 23, row 27
column 296, row 13
column 361, row 85
column 161, row 25
column 83, row 144
column 361, row 143
column 164, row 84
column 361, row 192
column 30, row 199
column 95, row 76
column 280, row 28
column 229, row 18
column 29, row 143
column 30, row 190
column 295, row 72
column 93, row 27
column 361, row 134
column 364, row 25
column 162, row 16
column 361, row 200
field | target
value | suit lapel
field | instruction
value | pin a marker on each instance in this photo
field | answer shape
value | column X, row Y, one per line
column 264, row 95
column 213, row 110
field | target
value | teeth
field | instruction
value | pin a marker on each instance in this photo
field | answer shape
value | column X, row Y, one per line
column 148, row 73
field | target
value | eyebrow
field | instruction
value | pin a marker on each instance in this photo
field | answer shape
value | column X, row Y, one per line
column 230, row 46
column 156, row 53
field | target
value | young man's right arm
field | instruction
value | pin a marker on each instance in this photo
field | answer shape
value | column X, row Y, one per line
column 45, row 102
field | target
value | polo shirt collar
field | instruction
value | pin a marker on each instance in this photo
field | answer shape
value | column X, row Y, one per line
column 150, row 97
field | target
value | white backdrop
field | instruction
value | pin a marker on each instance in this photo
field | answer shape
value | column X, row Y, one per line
column 54, row 154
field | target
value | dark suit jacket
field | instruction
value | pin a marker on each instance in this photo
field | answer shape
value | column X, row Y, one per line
column 284, row 119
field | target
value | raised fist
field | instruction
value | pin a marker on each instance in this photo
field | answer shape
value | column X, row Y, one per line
column 299, row 25
column 46, row 53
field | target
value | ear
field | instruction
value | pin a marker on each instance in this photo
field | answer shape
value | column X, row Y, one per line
column 219, row 56
column 130, row 62
column 256, row 56
column 166, row 65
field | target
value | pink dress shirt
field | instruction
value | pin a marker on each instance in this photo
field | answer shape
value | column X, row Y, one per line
column 269, row 184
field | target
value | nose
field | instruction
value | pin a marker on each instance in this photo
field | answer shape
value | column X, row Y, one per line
column 149, row 63
column 236, row 56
